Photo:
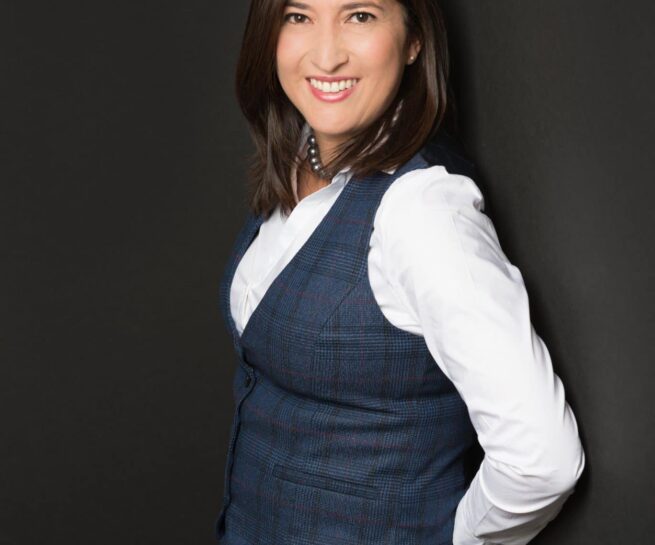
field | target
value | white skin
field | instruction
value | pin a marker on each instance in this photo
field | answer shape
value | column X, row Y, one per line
column 328, row 38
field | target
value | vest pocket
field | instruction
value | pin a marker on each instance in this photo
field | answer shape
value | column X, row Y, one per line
column 325, row 482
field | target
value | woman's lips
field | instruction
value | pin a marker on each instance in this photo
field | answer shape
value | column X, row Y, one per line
column 331, row 97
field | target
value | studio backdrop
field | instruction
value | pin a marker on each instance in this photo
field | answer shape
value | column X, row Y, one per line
column 122, row 173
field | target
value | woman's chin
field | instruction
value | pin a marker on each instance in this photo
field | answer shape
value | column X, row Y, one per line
column 330, row 129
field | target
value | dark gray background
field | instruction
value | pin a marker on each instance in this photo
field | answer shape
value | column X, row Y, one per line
column 122, row 161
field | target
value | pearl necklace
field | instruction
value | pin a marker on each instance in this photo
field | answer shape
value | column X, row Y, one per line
column 315, row 159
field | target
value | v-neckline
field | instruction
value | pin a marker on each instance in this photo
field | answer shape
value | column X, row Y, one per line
column 257, row 221
column 253, row 225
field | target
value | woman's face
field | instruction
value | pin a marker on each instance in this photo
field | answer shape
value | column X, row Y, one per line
column 334, row 42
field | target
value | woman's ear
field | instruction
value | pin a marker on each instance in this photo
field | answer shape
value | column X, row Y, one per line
column 414, row 49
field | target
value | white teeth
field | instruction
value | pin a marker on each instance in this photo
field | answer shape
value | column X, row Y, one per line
column 332, row 87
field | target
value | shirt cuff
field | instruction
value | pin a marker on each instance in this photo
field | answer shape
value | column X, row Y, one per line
column 479, row 522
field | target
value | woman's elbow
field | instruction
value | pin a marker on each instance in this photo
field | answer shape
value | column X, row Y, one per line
column 566, row 466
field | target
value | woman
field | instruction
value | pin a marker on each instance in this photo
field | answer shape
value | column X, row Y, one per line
column 378, row 325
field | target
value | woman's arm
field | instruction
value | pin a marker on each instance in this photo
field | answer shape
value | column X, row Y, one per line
column 441, row 256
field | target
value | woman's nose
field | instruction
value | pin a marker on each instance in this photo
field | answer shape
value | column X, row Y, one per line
column 328, row 50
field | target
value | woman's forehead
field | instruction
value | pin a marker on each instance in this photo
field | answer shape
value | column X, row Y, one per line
column 339, row 4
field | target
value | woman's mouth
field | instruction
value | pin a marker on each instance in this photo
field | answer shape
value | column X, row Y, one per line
column 332, row 91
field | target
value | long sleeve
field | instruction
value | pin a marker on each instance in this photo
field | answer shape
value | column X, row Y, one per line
column 442, row 259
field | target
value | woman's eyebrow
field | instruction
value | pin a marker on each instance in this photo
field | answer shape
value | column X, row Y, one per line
column 350, row 5
column 355, row 5
column 298, row 5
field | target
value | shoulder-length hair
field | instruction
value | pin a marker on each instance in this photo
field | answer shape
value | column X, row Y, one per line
column 276, row 124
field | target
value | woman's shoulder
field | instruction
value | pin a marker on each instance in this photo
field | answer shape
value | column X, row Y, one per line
column 427, row 190
column 431, row 227
column 445, row 178
column 436, row 208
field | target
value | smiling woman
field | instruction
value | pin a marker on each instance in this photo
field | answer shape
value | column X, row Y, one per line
column 378, row 43
column 378, row 325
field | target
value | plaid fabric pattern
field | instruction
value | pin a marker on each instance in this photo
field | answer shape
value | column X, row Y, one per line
column 345, row 430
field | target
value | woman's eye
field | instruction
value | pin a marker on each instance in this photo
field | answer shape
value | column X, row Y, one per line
column 293, row 18
column 367, row 16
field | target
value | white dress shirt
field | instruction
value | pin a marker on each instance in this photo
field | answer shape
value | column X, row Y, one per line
column 437, row 270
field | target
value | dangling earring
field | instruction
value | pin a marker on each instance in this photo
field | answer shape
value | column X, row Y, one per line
column 315, row 158
column 411, row 59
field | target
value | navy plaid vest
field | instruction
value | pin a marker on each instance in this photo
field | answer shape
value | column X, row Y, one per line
column 345, row 430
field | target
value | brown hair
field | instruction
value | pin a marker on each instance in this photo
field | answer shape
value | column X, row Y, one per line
column 276, row 124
